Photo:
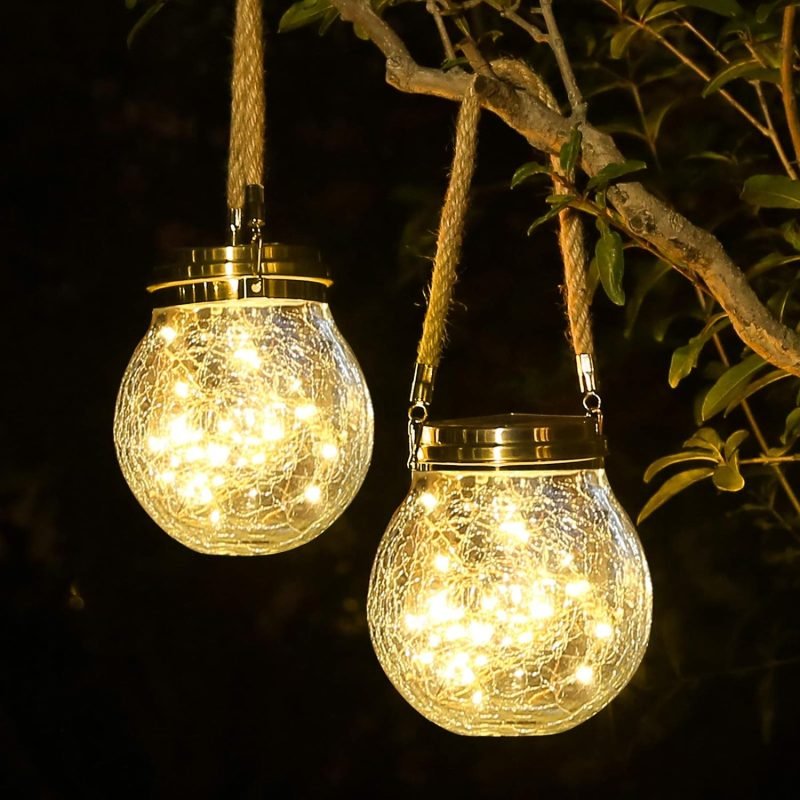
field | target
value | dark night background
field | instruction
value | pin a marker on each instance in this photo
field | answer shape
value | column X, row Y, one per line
column 132, row 667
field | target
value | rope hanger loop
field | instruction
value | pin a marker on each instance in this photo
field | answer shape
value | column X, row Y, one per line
column 448, row 251
column 445, row 265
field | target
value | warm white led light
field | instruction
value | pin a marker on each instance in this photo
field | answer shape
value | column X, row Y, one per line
column 510, row 603
column 244, row 427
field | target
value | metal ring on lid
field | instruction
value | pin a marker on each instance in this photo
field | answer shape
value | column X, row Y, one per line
column 237, row 272
column 511, row 441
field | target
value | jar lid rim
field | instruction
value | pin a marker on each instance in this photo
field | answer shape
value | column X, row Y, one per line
column 511, row 441
column 231, row 272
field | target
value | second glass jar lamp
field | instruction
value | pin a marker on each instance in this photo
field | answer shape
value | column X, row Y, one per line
column 244, row 424
column 510, row 594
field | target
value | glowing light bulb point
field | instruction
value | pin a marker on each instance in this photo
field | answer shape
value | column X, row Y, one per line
column 603, row 630
column 313, row 494
column 329, row 451
column 584, row 674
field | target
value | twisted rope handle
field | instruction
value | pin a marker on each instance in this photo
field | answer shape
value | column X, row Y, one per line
column 448, row 252
column 572, row 243
column 248, row 103
column 451, row 232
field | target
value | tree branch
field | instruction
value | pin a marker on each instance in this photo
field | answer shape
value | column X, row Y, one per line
column 680, row 242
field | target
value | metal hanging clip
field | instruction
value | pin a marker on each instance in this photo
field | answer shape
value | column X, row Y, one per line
column 592, row 401
column 420, row 401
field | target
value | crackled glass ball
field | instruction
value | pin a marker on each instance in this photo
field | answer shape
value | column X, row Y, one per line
column 244, row 427
column 510, row 603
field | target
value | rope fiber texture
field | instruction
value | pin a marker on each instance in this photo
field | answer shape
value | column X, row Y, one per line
column 248, row 103
column 451, row 231
column 577, row 296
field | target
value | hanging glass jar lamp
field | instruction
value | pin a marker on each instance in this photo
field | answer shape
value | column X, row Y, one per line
column 243, row 424
column 510, row 594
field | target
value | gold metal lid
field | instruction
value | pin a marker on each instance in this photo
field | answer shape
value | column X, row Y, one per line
column 512, row 441
column 236, row 272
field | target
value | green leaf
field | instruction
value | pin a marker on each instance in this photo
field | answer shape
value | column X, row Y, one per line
column 791, row 430
column 592, row 278
column 303, row 13
column 492, row 37
column 728, row 478
column 622, row 126
column 684, row 359
column 764, row 10
column 733, row 442
column 772, row 191
column 748, row 68
column 726, row 8
column 143, row 21
column 663, row 24
column 755, row 386
column 612, row 172
column 527, row 170
column 791, row 233
column 662, row 325
column 730, row 385
column 677, row 483
column 706, row 439
column 770, row 52
column 710, row 155
column 648, row 278
column 570, row 151
column 678, row 458
column 330, row 16
column 621, row 39
column 655, row 118
column 610, row 262
column 562, row 202
column 451, row 63
column 770, row 262
column 659, row 9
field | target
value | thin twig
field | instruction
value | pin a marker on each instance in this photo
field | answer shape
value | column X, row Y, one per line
column 770, row 460
column 754, row 52
column 637, row 99
column 701, row 36
column 576, row 101
column 449, row 50
column 762, row 102
column 787, row 82
column 773, row 133
column 476, row 60
column 698, row 70
column 511, row 15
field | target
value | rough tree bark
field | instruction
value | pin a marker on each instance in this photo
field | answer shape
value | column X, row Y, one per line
column 694, row 250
